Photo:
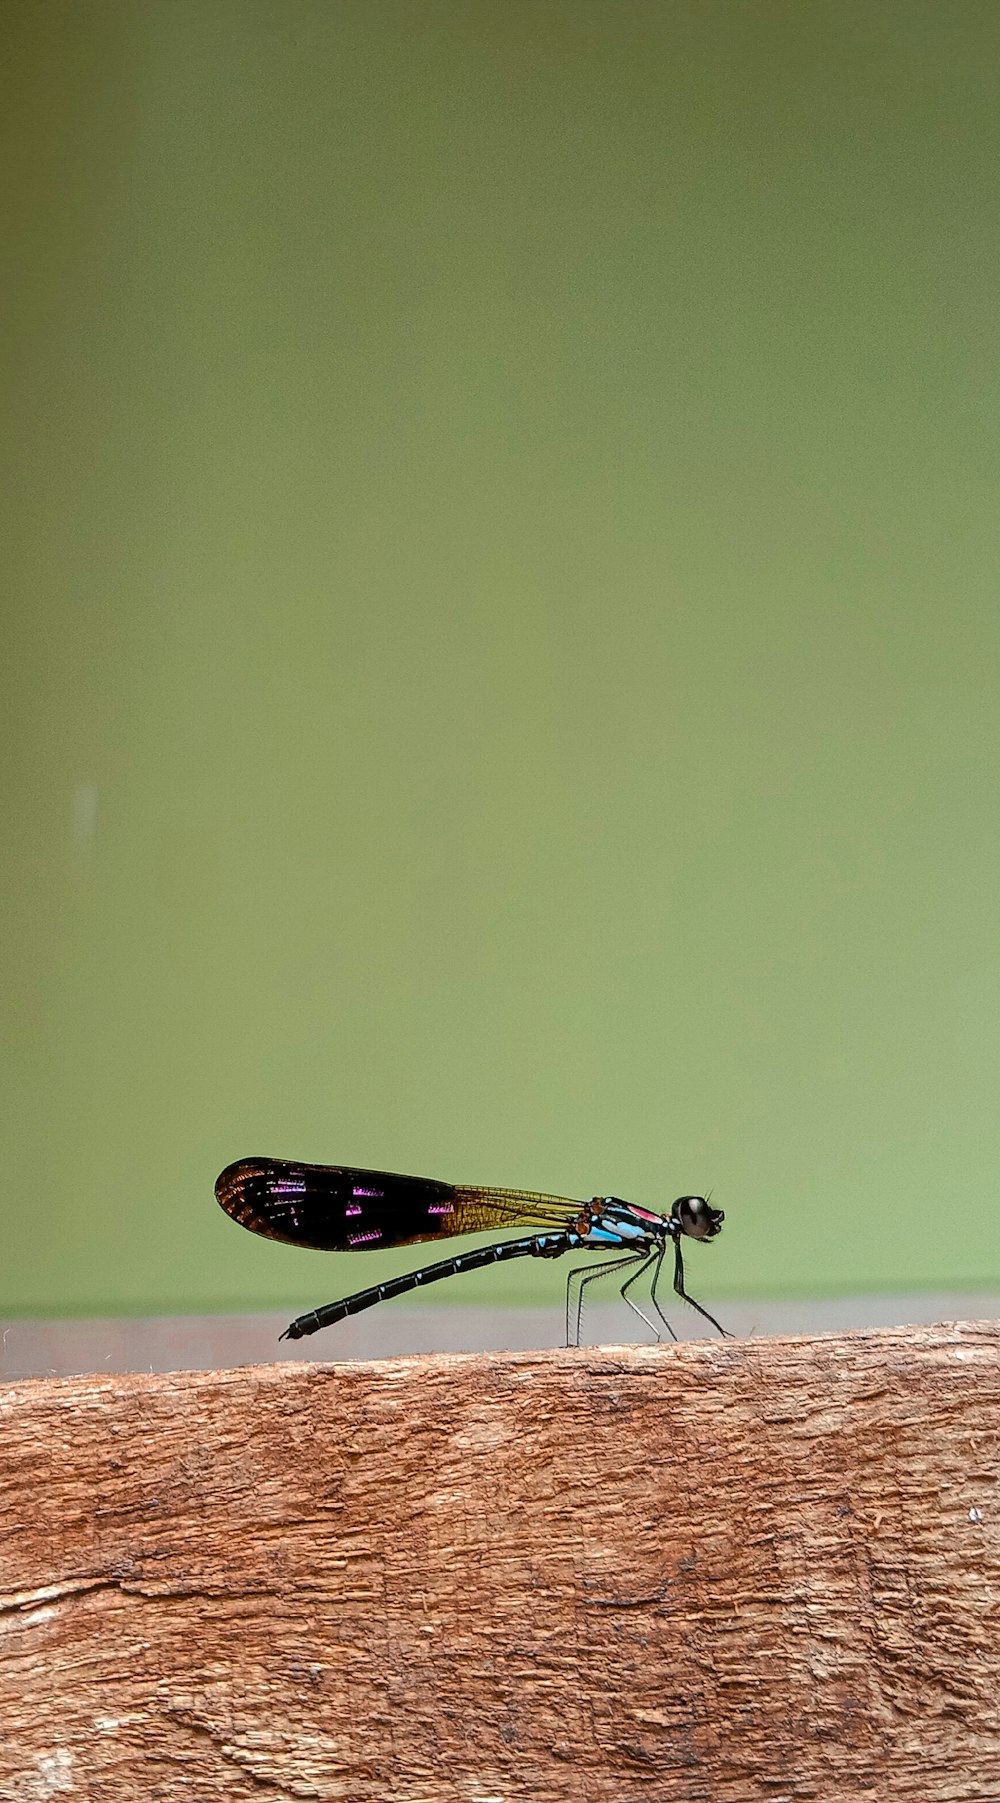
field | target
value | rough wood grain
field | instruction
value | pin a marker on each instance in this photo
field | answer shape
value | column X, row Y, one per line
column 727, row 1571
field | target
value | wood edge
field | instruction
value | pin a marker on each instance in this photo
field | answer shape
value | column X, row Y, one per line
column 722, row 1353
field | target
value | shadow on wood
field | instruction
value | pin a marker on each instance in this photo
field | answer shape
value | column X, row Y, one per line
column 727, row 1571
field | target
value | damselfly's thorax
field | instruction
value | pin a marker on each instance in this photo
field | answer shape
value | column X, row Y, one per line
column 690, row 1215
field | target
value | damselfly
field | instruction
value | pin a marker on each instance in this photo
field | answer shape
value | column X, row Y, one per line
column 336, row 1208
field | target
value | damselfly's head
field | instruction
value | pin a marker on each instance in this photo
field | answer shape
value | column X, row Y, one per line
column 696, row 1218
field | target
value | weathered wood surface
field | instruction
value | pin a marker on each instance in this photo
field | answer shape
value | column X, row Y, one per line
column 727, row 1571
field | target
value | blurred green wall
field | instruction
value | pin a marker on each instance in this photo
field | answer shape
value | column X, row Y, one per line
column 501, row 638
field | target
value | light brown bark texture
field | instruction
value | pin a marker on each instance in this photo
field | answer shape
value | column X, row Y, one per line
column 732, row 1571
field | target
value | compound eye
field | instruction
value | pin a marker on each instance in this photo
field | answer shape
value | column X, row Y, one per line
column 697, row 1219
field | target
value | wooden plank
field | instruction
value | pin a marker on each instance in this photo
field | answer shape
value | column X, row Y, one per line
column 724, row 1570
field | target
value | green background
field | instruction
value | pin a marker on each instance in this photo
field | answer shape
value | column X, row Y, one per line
column 502, row 632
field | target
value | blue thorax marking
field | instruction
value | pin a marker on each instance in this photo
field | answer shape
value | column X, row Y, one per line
column 617, row 1225
column 606, row 1236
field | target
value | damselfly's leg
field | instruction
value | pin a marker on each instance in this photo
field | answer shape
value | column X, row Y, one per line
column 627, row 1285
column 682, row 1292
column 582, row 1276
column 654, row 1299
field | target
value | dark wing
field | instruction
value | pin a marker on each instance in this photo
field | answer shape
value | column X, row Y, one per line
column 338, row 1208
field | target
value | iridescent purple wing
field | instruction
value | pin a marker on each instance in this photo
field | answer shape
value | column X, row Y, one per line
column 339, row 1208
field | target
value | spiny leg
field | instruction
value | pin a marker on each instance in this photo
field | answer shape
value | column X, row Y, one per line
column 654, row 1299
column 627, row 1285
column 582, row 1276
column 682, row 1292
